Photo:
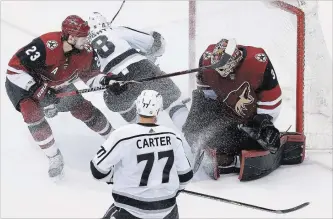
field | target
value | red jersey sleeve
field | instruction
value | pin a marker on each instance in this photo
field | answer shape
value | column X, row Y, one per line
column 269, row 93
column 91, row 75
column 24, row 65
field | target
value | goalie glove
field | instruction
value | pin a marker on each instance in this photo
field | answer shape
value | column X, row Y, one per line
column 113, row 83
column 261, row 129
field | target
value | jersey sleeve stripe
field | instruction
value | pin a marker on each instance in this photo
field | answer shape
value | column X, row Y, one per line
column 136, row 30
column 20, row 78
column 270, row 106
column 185, row 178
column 179, row 139
column 96, row 173
column 116, row 61
column 270, row 103
column 272, row 112
column 269, row 97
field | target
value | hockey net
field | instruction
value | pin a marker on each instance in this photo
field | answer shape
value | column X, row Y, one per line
column 291, row 34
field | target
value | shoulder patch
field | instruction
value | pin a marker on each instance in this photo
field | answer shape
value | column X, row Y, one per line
column 261, row 57
column 52, row 44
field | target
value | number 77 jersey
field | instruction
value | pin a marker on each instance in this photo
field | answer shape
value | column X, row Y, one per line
column 148, row 166
column 118, row 47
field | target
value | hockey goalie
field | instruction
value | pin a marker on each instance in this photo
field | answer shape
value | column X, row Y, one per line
column 230, row 126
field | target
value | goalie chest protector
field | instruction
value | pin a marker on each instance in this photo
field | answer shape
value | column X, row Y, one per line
column 238, row 91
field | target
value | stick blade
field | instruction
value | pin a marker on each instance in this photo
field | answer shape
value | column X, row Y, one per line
column 198, row 160
column 293, row 209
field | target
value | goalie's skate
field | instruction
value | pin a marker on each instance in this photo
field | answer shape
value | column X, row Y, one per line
column 56, row 166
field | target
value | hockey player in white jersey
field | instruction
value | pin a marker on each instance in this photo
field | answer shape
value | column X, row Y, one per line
column 146, row 164
column 128, row 54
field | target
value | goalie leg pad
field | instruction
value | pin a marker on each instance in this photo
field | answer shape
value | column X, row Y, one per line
column 257, row 164
column 209, row 163
column 294, row 148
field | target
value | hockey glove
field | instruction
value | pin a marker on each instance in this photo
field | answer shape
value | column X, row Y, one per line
column 112, row 81
column 50, row 111
column 261, row 129
column 157, row 49
column 44, row 95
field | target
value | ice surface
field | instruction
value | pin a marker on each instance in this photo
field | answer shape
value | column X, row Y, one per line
column 27, row 192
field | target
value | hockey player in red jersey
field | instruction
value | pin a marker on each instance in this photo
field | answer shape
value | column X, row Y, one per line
column 232, row 114
column 49, row 65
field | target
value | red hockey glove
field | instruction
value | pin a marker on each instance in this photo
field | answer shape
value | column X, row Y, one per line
column 44, row 95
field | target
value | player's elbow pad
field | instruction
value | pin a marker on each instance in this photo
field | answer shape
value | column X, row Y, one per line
column 158, row 47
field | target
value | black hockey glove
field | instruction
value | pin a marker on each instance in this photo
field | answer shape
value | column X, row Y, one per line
column 261, row 129
column 45, row 95
column 114, row 86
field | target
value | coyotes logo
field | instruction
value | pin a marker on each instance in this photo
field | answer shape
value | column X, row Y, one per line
column 238, row 99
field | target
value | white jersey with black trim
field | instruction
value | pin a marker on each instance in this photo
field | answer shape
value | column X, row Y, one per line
column 117, row 47
column 149, row 167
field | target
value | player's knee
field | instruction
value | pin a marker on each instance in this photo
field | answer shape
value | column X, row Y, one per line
column 83, row 111
column 31, row 111
column 130, row 114
column 171, row 94
column 114, row 103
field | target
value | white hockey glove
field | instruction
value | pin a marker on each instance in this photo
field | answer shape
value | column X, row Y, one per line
column 50, row 111
column 158, row 47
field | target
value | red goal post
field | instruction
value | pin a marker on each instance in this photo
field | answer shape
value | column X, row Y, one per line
column 305, row 64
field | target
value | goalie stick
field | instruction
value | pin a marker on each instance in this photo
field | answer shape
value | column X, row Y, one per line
column 283, row 211
column 220, row 63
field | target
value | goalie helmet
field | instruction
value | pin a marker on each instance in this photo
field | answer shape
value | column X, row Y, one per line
column 218, row 52
column 233, row 62
column 75, row 26
column 149, row 103
column 97, row 21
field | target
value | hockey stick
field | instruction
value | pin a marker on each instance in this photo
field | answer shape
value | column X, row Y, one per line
column 114, row 17
column 283, row 211
column 229, row 51
column 198, row 160
column 222, row 62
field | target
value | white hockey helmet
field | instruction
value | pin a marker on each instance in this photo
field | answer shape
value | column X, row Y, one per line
column 97, row 21
column 149, row 103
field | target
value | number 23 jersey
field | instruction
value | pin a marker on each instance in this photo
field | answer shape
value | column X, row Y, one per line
column 44, row 60
column 118, row 47
column 149, row 166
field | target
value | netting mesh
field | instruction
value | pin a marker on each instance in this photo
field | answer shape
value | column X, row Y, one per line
column 258, row 23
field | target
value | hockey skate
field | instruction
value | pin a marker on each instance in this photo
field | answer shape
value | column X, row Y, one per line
column 56, row 166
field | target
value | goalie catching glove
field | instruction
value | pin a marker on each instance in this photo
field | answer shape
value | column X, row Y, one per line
column 261, row 129
column 113, row 83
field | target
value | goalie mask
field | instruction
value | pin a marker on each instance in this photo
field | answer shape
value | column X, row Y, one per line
column 219, row 52
column 149, row 103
